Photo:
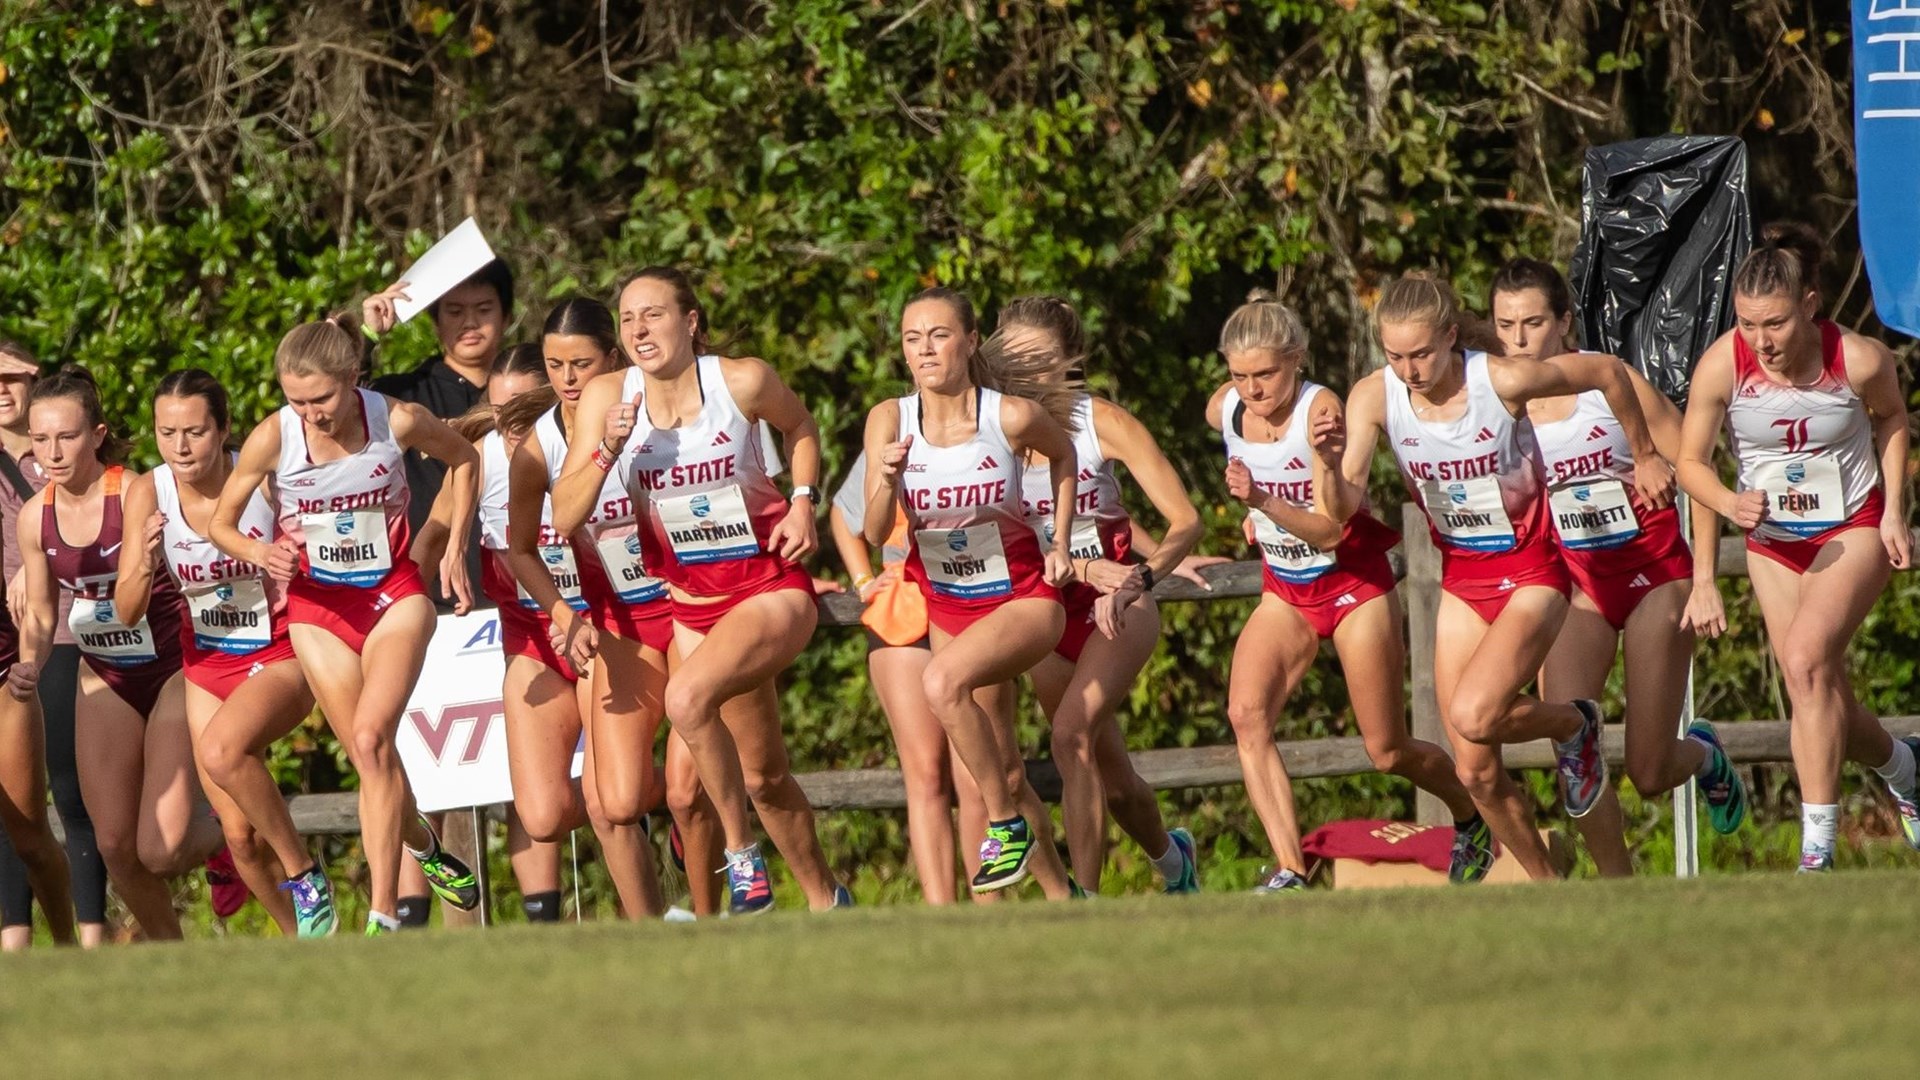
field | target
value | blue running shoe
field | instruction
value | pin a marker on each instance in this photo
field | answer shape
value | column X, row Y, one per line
column 842, row 897
column 748, row 887
column 312, row 897
column 1188, row 881
column 1726, row 794
column 1583, row 768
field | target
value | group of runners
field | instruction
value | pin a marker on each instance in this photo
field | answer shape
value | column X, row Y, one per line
column 648, row 569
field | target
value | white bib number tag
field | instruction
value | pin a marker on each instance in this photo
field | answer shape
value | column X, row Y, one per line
column 348, row 547
column 558, row 559
column 230, row 616
column 965, row 564
column 1469, row 514
column 1288, row 557
column 106, row 638
column 621, row 556
column 1596, row 515
column 709, row 527
column 1084, row 543
column 1804, row 497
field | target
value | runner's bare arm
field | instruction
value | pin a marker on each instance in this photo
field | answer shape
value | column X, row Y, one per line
column 133, row 585
column 581, row 481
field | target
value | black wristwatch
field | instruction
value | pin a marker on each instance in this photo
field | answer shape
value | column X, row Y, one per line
column 1146, row 574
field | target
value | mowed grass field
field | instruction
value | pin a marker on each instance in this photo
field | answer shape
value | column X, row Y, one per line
column 1749, row 975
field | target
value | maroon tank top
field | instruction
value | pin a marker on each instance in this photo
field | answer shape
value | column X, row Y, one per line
column 88, row 573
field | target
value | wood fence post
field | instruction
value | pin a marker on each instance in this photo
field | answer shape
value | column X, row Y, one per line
column 1420, row 591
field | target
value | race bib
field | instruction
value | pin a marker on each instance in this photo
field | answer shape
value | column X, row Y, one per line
column 348, row 547
column 230, row 616
column 106, row 638
column 965, row 564
column 1084, row 543
column 1804, row 497
column 558, row 559
column 710, row 527
column 1469, row 514
column 1288, row 557
column 621, row 556
column 1596, row 515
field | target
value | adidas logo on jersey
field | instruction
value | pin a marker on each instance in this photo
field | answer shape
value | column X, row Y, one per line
column 987, row 463
column 1598, row 432
column 1486, row 435
column 1411, row 440
column 1506, row 584
column 379, row 471
column 1346, row 600
column 722, row 439
column 382, row 602
column 1639, row 582
column 1296, row 463
column 1749, row 390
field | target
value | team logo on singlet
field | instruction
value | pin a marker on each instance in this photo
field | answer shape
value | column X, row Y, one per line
column 343, row 524
column 1796, row 473
column 223, row 592
column 701, row 506
column 957, row 539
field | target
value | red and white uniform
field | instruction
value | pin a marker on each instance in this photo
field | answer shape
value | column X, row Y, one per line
column 1102, row 528
column 1479, row 480
column 1324, row 586
column 135, row 661
column 236, row 616
column 1810, row 448
column 621, row 596
column 708, row 501
column 1616, row 548
column 350, row 518
column 972, row 548
column 523, row 625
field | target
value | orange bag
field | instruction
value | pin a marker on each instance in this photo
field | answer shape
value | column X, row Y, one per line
column 896, row 612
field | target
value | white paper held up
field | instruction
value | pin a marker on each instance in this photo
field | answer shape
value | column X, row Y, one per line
column 457, row 256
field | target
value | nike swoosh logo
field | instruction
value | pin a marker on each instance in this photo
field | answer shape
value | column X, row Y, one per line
column 108, row 551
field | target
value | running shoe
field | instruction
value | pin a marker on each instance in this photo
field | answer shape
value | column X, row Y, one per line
column 1188, row 881
column 225, row 890
column 451, row 879
column 1003, row 856
column 1280, row 881
column 312, row 898
column 1726, row 794
column 1909, row 808
column 1815, row 861
column 1472, row 854
column 1075, row 892
column 842, row 897
column 675, row 848
column 1583, row 768
column 748, row 887
column 376, row 928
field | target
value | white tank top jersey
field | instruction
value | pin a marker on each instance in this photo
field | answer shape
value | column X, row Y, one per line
column 1283, row 469
column 707, row 485
column 1477, row 477
column 349, row 515
column 1589, row 467
column 963, row 503
column 230, row 604
column 555, row 552
column 1097, row 510
column 611, row 528
column 1810, row 448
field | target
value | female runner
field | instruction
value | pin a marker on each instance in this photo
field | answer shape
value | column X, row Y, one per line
column 618, row 703
column 1817, row 423
column 358, row 613
column 1455, row 418
column 243, row 686
column 1326, row 578
column 949, row 455
column 680, row 428
column 1634, row 579
column 32, row 863
column 1113, row 623
column 136, row 761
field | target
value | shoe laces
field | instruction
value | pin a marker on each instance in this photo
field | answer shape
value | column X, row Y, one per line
column 990, row 849
column 303, row 892
column 740, row 867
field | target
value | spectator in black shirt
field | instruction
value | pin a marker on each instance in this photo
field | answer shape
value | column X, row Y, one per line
column 471, row 322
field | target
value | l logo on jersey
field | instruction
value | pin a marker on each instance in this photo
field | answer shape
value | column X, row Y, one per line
column 1796, row 435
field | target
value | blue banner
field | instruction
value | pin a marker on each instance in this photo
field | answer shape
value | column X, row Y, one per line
column 1886, row 134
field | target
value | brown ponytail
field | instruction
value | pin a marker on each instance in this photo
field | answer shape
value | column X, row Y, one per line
column 76, row 383
column 1423, row 298
column 1787, row 262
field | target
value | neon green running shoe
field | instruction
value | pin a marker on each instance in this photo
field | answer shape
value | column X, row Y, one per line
column 376, row 928
column 1909, row 807
column 452, row 880
column 1726, row 794
column 312, row 897
column 1473, row 852
column 1003, row 855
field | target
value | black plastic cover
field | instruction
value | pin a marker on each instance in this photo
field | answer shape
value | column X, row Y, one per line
column 1663, row 225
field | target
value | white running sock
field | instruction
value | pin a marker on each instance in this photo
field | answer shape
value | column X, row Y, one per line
column 1898, row 771
column 1817, row 824
column 1169, row 863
